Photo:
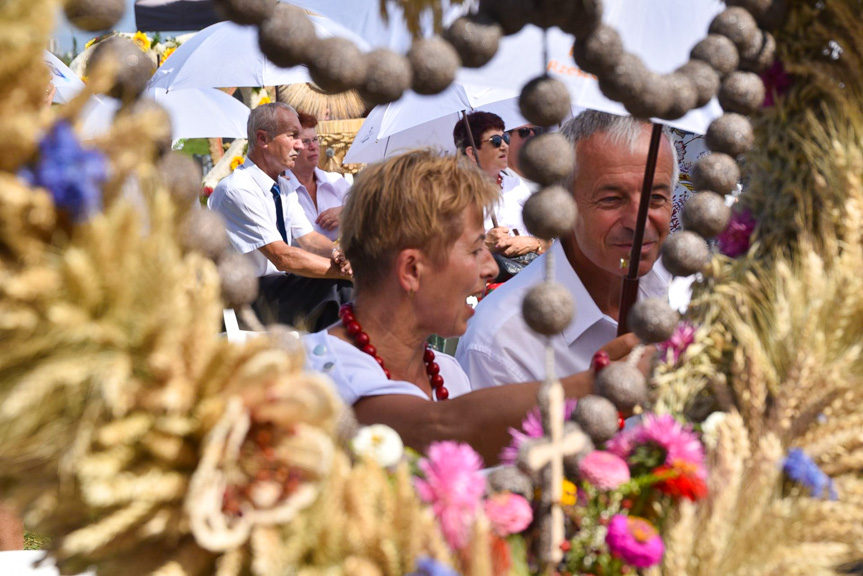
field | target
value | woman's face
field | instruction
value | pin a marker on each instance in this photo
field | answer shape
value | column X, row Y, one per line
column 467, row 268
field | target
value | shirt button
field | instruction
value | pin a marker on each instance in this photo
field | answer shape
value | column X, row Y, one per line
column 319, row 350
column 328, row 366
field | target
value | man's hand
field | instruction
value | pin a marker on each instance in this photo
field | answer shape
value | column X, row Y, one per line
column 620, row 348
column 339, row 261
column 329, row 219
column 512, row 246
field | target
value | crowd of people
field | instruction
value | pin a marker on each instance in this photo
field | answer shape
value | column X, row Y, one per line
column 372, row 271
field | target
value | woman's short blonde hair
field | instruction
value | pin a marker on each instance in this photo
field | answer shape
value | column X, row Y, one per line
column 415, row 200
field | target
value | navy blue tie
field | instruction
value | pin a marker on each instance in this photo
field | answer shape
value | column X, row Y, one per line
column 280, row 216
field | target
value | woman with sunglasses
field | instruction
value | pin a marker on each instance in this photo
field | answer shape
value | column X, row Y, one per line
column 506, row 235
column 517, row 138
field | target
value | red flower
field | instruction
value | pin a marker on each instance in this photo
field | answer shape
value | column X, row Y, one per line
column 681, row 483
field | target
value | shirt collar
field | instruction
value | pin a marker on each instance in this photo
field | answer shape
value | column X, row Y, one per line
column 259, row 176
column 294, row 183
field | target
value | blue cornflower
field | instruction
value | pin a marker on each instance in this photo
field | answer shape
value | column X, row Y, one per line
column 71, row 173
column 800, row 468
column 431, row 567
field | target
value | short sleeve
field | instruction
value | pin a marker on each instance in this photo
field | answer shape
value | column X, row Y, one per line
column 246, row 219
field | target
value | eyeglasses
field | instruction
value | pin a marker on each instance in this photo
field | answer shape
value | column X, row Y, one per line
column 526, row 131
column 497, row 139
column 309, row 141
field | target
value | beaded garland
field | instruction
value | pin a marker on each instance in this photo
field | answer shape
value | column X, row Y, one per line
column 363, row 342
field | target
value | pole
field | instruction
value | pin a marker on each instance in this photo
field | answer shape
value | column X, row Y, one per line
column 629, row 289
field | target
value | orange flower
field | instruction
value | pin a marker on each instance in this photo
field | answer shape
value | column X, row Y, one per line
column 684, row 481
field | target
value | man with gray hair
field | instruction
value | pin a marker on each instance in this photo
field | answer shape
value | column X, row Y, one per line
column 610, row 157
column 299, row 285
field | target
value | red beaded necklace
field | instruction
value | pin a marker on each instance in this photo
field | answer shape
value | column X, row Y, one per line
column 362, row 341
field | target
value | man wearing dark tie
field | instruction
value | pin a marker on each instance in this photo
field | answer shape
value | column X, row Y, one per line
column 299, row 285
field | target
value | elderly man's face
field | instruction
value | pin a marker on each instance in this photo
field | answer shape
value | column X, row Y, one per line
column 286, row 145
column 607, row 189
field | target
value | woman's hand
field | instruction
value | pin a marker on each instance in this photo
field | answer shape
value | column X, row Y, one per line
column 512, row 246
column 329, row 219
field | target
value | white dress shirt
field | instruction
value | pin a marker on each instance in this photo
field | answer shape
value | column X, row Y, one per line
column 332, row 189
column 244, row 200
column 357, row 375
column 514, row 193
column 499, row 348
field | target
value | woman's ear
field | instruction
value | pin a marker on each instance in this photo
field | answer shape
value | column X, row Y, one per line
column 470, row 153
column 409, row 265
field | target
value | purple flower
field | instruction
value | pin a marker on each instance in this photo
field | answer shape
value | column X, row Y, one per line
column 800, row 468
column 683, row 336
column 634, row 540
column 776, row 82
column 431, row 567
column 531, row 427
column 71, row 173
column 734, row 240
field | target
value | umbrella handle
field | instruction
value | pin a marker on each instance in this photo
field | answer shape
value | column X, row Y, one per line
column 629, row 289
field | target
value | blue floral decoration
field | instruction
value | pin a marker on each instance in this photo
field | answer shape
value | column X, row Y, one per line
column 73, row 174
column 431, row 567
column 801, row 469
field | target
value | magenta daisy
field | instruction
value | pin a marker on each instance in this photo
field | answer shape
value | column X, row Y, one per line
column 634, row 540
column 531, row 427
column 734, row 240
column 453, row 485
column 680, row 340
column 679, row 442
column 604, row 470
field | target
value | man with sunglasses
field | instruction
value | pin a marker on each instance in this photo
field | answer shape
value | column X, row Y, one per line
column 321, row 194
column 509, row 238
column 517, row 138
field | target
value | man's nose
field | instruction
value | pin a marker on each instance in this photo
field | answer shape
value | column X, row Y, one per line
column 629, row 218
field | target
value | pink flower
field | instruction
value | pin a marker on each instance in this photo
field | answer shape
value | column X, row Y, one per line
column 683, row 336
column 604, row 470
column 531, row 427
column 508, row 513
column 453, row 485
column 679, row 442
column 634, row 540
column 734, row 240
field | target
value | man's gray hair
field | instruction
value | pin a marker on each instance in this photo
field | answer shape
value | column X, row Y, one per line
column 264, row 118
column 619, row 129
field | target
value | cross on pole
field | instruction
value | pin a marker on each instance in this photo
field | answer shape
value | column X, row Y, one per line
column 546, row 457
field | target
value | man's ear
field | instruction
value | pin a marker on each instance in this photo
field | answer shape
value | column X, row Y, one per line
column 409, row 264
column 262, row 138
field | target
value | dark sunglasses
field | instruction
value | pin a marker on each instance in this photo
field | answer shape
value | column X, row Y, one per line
column 497, row 139
column 525, row 132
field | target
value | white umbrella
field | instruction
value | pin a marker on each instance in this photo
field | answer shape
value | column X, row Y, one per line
column 227, row 54
column 661, row 33
column 195, row 113
column 416, row 121
column 66, row 82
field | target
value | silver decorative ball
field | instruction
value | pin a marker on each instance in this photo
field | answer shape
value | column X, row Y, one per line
column 625, row 80
column 548, row 308
column 388, row 75
column 717, row 172
column 182, row 176
column 653, row 100
column 203, row 230
column 550, row 213
column 510, row 479
column 757, row 8
column 157, row 119
column 653, row 320
column 336, row 64
column 719, row 52
column 547, row 158
column 238, row 281
column 684, row 96
column 245, row 12
column 285, row 37
column 761, row 56
column 512, row 15
column 599, row 51
column 94, row 15
column 571, row 461
column 703, row 77
column 133, row 67
column 741, row 92
column 730, row 134
column 597, row 416
column 582, row 19
column 623, row 385
column 685, row 253
column 435, row 63
column 736, row 24
column 545, row 101
column 474, row 39
column 706, row 214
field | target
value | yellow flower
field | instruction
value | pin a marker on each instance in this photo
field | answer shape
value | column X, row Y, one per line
column 264, row 100
column 91, row 42
column 168, row 52
column 236, row 161
column 141, row 41
column 569, row 494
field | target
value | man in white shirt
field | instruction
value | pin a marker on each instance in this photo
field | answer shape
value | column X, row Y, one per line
column 610, row 156
column 299, row 285
column 321, row 194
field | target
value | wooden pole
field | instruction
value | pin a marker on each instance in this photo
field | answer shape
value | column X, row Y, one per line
column 629, row 289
